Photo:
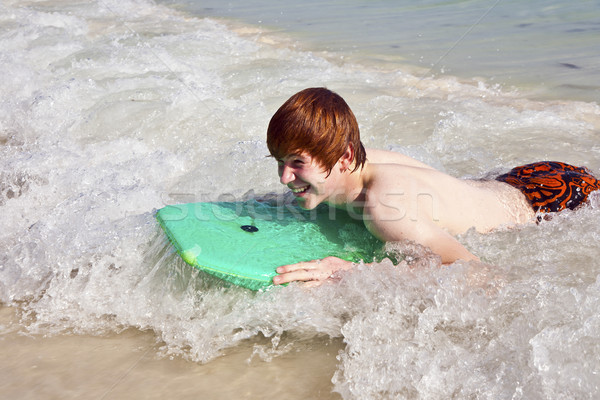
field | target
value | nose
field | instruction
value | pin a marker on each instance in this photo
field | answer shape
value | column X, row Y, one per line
column 286, row 175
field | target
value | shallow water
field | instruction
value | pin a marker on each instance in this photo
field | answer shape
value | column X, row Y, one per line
column 128, row 365
column 113, row 109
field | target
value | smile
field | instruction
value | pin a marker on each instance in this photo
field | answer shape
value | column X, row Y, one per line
column 299, row 190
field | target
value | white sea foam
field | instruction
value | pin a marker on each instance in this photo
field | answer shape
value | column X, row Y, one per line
column 112, row 109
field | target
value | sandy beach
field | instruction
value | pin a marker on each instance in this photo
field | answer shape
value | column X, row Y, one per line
column 128, row 365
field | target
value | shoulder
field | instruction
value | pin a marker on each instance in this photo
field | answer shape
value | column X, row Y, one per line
column 386, row 210
column 394, row 179
column 385, row 184
column 377, row 156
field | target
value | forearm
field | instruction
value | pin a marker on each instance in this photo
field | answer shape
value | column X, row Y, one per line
column 450, row 250
column 316, row 272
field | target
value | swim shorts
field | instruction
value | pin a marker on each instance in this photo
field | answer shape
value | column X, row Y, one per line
column 552, row 186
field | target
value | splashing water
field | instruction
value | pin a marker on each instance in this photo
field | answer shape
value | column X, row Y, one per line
column 113, row 109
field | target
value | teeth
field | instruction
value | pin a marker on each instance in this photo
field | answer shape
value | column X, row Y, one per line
column 300, row 190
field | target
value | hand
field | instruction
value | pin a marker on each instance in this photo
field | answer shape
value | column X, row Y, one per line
column 313, row 272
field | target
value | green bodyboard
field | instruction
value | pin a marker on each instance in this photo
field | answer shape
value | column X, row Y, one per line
column 244, row 242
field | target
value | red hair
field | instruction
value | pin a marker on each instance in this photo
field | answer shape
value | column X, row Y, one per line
column 316, row 121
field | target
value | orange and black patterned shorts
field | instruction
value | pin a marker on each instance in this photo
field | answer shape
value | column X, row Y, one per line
column 552, row 186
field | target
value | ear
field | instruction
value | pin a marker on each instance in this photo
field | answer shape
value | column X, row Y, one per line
column 347, row 158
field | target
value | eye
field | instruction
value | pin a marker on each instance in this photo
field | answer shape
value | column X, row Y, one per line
column 298, row 162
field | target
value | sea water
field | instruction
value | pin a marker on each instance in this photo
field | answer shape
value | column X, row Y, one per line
column 549, row 46
column 112, row 109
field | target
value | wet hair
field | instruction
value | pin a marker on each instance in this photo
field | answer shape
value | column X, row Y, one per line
column 318, row 122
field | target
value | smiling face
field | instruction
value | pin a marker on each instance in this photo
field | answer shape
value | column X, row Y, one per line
column 314, row 137
column 308, row 180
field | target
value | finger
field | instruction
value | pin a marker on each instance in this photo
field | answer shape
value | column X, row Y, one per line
column 305, row 265
column 299, row 275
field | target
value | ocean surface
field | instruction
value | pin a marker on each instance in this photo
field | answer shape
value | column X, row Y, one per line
column 112, row 109
column 547, row 46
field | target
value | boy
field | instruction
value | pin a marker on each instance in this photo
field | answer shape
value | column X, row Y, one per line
column 315, row 139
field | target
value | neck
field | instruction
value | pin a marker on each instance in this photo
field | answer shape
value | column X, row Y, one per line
column 351, row 194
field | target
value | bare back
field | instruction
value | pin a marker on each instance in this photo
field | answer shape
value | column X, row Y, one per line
column 402, row 183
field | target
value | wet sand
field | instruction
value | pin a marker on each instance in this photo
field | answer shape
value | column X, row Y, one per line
column 129, row 366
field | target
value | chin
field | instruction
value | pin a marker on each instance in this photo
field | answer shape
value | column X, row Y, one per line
column 306, row 205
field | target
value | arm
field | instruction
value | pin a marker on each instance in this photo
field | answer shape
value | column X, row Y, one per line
column 422, row 230
column 316, row 272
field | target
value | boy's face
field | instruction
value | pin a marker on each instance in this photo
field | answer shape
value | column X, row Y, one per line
column 307, row 179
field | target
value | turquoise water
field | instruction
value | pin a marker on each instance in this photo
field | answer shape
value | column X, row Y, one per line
column 549, row 46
